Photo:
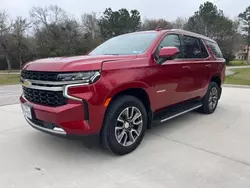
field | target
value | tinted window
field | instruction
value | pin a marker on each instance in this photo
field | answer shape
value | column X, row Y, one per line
column 171, row 41
column 191, row 47
column 215, row 49
column 203, row 49
column 135, row 43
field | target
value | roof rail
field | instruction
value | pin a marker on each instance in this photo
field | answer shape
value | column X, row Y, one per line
column 177, row 30
column 193, row 34
column 158, row 28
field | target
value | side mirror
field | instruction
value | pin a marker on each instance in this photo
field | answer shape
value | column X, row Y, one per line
column 168, row 52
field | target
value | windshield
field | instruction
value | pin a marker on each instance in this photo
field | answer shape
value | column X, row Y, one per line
column 135, row 43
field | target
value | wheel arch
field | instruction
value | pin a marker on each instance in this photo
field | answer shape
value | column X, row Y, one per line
column 218, row 81
column 136, row 90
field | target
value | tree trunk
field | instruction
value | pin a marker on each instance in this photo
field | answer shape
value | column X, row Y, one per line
column 247, row 58
column 20, row 58
column 248, row 45
column 8, row 63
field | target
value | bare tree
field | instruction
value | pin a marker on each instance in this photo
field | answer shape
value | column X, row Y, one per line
column 47, row 18
column 47, row 23
column 48, row 15
column 20, row 25
column 90, row 25
column 56, row 33
column 5, row 28
column 152, row 24
column 179, row 23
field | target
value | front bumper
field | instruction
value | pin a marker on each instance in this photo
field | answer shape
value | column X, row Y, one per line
column 66, row 120
column 63, row 107
column 54, row 131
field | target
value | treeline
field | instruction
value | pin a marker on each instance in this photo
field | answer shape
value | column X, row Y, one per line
column 51, row 31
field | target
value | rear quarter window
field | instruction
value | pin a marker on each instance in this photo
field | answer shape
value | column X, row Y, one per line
column 215, row 49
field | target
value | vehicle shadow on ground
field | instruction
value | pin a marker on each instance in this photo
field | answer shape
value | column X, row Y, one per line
column 69, row 148
column 65, row 146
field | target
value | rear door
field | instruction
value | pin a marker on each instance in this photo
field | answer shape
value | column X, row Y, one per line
column 198, row 60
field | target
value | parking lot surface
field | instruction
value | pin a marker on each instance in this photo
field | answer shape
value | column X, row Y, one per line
column 191, row 151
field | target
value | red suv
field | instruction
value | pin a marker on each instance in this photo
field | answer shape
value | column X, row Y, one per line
column 124, row 86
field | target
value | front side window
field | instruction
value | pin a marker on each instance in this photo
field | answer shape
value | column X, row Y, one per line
column 129, row 44
column 171, row 40
column 191, row 47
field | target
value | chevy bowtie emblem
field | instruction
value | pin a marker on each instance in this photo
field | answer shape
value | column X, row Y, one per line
column 26, row 83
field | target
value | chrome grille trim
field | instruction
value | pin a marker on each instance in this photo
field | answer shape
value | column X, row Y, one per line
column 44, row 88
column 47, row 81
column 52, row 83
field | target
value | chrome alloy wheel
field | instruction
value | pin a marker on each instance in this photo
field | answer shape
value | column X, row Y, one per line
column 128, row 126
column 213, row 98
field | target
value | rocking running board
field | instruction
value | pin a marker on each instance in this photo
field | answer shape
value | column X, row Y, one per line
column 175, row 111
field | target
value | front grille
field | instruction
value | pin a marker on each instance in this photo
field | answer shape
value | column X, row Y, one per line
column 37, row 75
column 43, row 97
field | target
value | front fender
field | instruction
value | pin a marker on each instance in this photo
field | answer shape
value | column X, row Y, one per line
column 126, row 86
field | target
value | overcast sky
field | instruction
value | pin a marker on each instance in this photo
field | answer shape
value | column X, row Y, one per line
column 167, row 9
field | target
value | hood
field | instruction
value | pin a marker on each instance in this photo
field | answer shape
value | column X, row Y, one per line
column 76, row 63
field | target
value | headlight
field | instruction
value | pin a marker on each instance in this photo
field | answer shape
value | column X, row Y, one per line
column 89, row 77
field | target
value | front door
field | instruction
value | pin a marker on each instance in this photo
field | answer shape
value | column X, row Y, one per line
column 173, row 78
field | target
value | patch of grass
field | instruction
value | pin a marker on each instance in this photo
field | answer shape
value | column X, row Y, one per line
column 9, row 79
column 6, row 71
column 241, row 77
column 237, row 63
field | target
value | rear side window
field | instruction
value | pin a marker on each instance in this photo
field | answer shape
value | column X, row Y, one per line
column 192, row 48
column 215, row 49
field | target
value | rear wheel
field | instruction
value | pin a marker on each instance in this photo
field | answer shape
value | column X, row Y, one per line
column 211, row 98
column 124, row 125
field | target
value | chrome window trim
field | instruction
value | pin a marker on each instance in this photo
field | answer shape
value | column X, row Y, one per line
column 202, row 58
column 185, row 59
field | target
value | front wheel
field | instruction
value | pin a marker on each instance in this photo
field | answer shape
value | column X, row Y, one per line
column 124, row 125
column 210, row 101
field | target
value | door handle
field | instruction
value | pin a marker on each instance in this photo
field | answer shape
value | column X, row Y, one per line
column 208, row 65
column 186, row 67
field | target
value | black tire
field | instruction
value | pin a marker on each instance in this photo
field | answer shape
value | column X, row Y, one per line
column 108, row 133
column 207, row 108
